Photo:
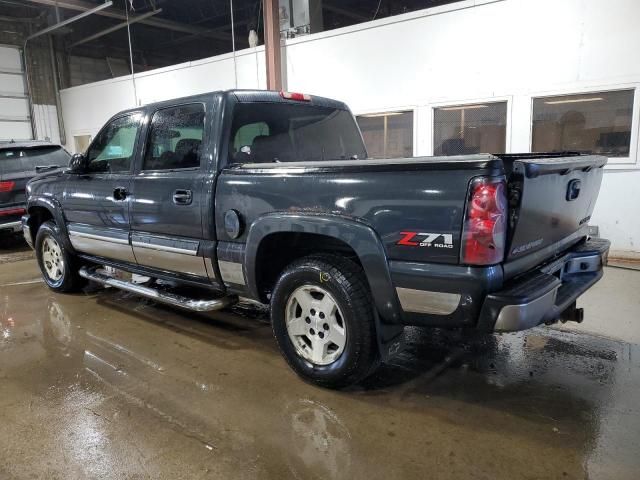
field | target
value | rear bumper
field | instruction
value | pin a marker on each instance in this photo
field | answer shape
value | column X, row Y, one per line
column 543, row 296
column 12, row 226
column 10, row 218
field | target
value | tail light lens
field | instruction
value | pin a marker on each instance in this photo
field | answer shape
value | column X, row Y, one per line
column 299, row 97
column 485, row 224
column 6, row 186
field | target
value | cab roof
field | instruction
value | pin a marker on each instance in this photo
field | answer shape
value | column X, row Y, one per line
column 243, row 96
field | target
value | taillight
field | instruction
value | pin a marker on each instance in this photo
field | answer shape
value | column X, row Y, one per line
column 7, row 186
column 485, row 224
column 299, row 97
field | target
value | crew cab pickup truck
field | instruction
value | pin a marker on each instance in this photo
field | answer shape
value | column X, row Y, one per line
column 19, row 162
column 271, row 196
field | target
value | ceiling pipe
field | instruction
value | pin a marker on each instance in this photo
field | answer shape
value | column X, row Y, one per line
column 115, row 28
column 34, row 129
column 82, row 6
column 66, row 22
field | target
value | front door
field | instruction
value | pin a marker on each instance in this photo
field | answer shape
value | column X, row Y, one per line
column 169, row 193
column 96, row 203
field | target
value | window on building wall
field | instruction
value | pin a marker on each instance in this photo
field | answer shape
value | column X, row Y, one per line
column 464, row 129
column 597, row 122
column 387, row 135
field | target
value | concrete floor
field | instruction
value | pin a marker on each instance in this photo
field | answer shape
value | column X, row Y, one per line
column 105, row 385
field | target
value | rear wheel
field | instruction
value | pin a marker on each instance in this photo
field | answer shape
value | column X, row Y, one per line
column 323, row 321
column 57, row 265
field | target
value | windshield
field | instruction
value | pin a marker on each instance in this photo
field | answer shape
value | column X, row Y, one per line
column 273, row 132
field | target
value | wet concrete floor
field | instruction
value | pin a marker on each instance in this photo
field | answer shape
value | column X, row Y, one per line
column 106, row 385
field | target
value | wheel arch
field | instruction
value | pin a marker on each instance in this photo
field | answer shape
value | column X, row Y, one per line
column 42, row 209
column 326, row 233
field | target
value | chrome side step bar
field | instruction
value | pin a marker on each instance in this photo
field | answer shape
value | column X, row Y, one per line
column 157, row 295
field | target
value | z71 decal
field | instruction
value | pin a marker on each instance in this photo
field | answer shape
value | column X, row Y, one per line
column 421, row 239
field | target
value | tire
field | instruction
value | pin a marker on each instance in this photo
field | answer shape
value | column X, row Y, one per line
column 58, row 266
column 323, row 321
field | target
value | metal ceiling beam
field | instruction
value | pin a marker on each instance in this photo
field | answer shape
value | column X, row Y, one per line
column 189, row 38
column 80, row 5
column 115, row 28
column 71, row 20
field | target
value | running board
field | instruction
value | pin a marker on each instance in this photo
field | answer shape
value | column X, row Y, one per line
column 157, row 295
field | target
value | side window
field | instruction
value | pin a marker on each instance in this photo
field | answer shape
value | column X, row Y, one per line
column 113, row 148
column 175, row 138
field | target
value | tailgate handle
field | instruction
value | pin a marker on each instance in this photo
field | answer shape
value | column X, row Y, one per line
column 182, row 197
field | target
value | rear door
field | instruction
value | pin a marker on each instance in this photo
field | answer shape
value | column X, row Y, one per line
column 168, row 188
column 96, row 203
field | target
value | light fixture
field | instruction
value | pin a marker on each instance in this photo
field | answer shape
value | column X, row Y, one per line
column 387, row 114
column 574, row 100
column 463, row 107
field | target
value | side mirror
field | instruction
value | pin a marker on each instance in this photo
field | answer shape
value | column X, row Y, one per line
column 78, row 164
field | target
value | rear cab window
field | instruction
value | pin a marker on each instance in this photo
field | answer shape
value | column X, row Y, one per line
column 286, row 132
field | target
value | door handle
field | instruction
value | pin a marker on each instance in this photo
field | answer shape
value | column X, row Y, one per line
column 182, row 197
column 120, row 193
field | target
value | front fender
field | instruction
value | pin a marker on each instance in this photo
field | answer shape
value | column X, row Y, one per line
column 359, row 236
column 55, row 209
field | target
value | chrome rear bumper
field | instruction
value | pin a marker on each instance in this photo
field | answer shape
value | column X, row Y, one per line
column 13, row 226
column 543, row 296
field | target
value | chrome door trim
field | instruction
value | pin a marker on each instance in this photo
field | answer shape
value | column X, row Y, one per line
column 162, row 248
column 104, row 242
column 165, row 243
column 103, row 238
column 168, row 253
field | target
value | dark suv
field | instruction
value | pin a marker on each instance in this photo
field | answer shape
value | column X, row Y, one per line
column 19, row 162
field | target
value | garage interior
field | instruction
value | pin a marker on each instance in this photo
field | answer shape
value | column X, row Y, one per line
column 105, row 384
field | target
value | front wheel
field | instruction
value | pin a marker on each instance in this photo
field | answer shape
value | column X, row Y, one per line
column 323, row 320
column 57, row 264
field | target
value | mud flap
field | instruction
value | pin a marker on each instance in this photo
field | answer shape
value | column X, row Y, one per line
column 391, row 338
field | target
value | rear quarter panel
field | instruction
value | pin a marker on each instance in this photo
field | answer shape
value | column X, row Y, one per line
column 422, row 198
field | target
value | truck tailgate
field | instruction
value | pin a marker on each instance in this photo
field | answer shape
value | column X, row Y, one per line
column 551, row 199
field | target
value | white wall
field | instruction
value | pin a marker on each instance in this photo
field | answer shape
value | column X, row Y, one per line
column 468, row 51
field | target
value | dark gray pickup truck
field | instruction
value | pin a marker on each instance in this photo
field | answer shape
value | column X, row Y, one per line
column 20, row 162
column 271, row 196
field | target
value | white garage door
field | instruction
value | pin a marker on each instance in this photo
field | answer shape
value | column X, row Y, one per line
column 14, row 106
